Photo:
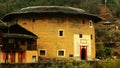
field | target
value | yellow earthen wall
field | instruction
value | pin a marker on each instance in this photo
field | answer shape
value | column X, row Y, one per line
column 29, row 55
column 47, row 31
column 1, row 58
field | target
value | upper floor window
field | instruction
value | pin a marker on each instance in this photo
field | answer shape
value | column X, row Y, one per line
column 91, row 23
column 91, row 37
column 83, row 21
column 80, row 35
column 61, row 33
column 33, row 20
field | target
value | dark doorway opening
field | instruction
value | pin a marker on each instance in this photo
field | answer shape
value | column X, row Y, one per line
column 83, row 53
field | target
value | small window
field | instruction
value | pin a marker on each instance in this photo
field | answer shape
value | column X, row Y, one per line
column 33, row 20
column 42, row 52
column 61, row 53
column 61, row 33
column 91, row 37
column 83, row 21
column 70, row 55
column 80, row 35
column 91, row 23
column 33, row 58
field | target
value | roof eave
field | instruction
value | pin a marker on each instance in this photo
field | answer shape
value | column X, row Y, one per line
column 7, row 17
column 13, row 35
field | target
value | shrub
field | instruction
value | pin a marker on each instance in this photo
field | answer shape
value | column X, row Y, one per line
column 104, row 52
column 68, row 65
column 84, row 65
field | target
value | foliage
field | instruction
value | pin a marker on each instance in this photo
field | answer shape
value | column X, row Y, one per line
column 102, row 35
column 69, row 65
column 91, row 6
column 106, row 42
column 7, row 6
column 84, row 65
column 114, row 6
column 107, row 63
column 115, row 35
column 105, row 35
column 104, row 52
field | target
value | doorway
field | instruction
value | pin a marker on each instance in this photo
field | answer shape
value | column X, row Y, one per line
column 83, row 52
column 33, row 58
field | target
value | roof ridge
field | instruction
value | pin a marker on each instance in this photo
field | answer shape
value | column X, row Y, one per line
column 23, row 28
column 49, row 7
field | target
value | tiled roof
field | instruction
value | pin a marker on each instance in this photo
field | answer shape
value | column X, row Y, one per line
column 50, row 9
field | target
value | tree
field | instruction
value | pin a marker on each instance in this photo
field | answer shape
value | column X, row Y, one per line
column 91, row 6
column 104, row 52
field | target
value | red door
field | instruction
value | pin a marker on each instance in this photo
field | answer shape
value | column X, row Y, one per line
column 23, row 56
column 19, row 57
column 12, row 56
column 83, row 52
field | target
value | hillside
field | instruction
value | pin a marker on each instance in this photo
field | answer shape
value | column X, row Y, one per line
column 92, row 6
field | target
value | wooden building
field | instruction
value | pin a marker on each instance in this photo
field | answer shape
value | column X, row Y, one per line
column 2, row 26
column 64, row 32
column 18, row 45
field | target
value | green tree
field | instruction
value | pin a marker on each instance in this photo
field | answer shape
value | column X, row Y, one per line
column 104, row 52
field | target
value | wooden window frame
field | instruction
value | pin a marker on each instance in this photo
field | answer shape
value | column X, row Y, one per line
column 44, row 50
column 59, row 51
column 63, row 33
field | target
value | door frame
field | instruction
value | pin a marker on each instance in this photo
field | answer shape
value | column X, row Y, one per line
column 86, row 54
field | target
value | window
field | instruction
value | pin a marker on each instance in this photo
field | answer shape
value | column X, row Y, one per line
column 33, row 20
column 33, row 58
column 83, row 21
column 91, row 37
column 61, row 53
column 91, row 23
column 42, row 52
column 70, row 55
column 80, row 35
column 61, row 33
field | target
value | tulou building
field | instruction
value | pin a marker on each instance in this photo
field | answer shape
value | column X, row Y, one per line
column 53, row 32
